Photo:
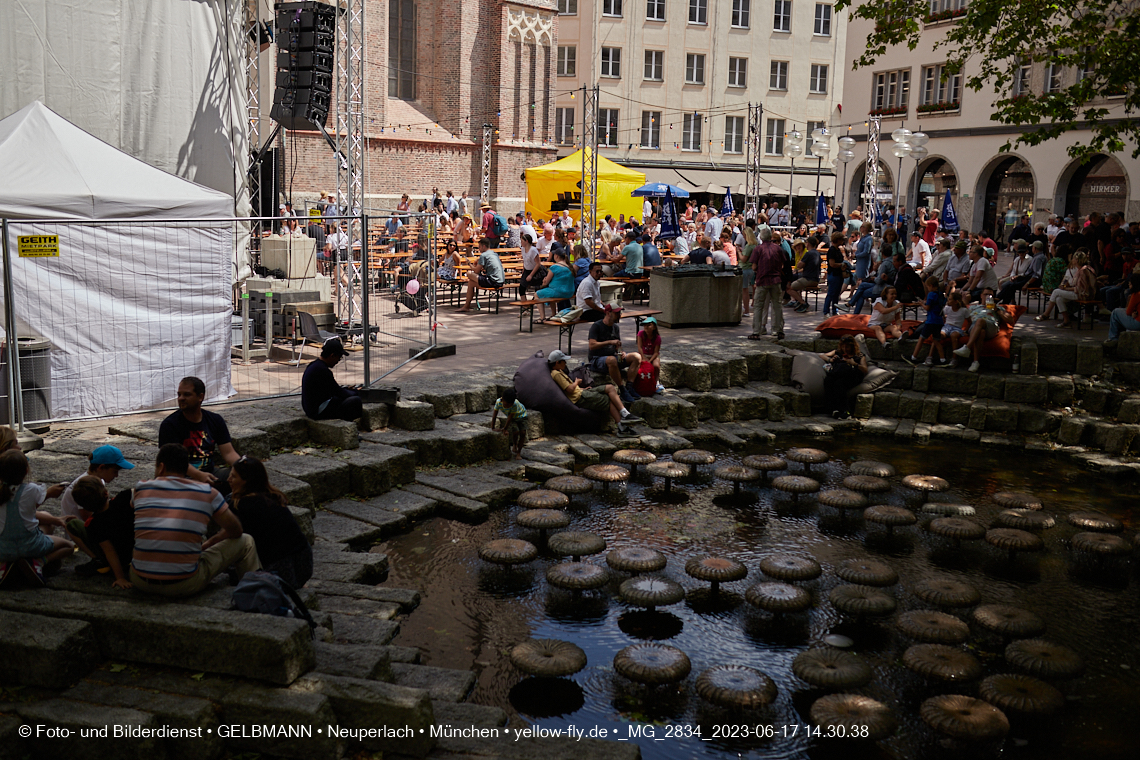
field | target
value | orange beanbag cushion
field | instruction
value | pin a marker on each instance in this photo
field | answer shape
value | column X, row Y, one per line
column 855, row 324
column 997, row 347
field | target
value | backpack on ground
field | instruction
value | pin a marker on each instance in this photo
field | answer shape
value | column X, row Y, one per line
column 645, row 383
column 499, row 225
column 267, row 593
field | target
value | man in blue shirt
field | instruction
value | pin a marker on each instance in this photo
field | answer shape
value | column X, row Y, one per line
column 651, row 257
column 322, row 397
column 863, row 251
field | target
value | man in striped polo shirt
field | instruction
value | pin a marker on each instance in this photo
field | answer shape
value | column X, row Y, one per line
column 172, row 513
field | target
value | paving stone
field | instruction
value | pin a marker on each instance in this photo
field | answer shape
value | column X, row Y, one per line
column 297, row 492
column 385, row 522
column 1029, row 358
column 174, row 710
column 1119, row 440
column 251, row 442
column 991, row 385
column 922, row 432
column 402, row 654
column 1090, row 358
column 583, row 454
column 144, row 429
column 1001, row 418
column 264, row 647
column 348, row 567
column 1020, row 389
column 414, row 415
column 955, row 432
column 414, row 506
column 664, row 442
column 796, row 403
column 481, row 399
column 45, row 651
column 354, row 660
column 905, row 429
column 368, row 471
column 1129, row 411
column 1095, row 400
column 304, row 519
column 249, row 705
column 672, row 374
column 1071, row 431
column 599, row 444
column 441, row 684
column 540, row 473
column 930, row 404
column 328, row 478
column 880, row 426
column 464, row 444
column 921, row 380
column 697, row 376
column 453, row 506
column 445, row 402
column 1061, row 391
column 954, row 411
column 1037, row 421
column 406, row 599
column 347, row 605
column 954, row 381
column 360, row 703
column 657, row 412
column 910, row 405
column 426, row 445
column 375, row 417
column 344, row 521
column 886, row 403
column 337, row 434
column 1000, row 440
column 466, row 714
column 1056, row 355
column 80, row 716
column 1128, row 347
column 535, row 453
column 360, row 629
column 492, row 489
column 977, row 419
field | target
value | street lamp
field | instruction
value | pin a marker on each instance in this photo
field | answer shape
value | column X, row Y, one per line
column 793, row 149
column 918, row 152
column 846, row 155
column 901, row 150
column 820, row 147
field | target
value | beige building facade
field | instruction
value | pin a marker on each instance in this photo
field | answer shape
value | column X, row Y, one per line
column 907, row 89
column 676, row 77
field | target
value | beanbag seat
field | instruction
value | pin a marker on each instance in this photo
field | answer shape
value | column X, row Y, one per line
column 809, row 369
column 856, row 324
column 537, row 390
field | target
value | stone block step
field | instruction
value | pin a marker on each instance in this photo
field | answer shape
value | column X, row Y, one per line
column 250, row 706
column 540, row 473
column 442, row 684
column 375, row 468
column 404, row 502
column 451, row 506
column 336, row 434
column 360, row 703
column 426, row 444
column 304, row 518
column 297, row 492
column 45, row 651
column 386, row 521
column 347, row 605
column 81, row 716
column 545, row 455
column 492, row 489
column 328, row 478
column 329, row 526
column 174, row 710
column 332, row 563
column 359, row 629
column 252, row 442
column 271, row 648
column 354, row 660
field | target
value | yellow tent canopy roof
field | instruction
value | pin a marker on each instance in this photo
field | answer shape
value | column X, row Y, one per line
column 615, row 184
column 571, row 167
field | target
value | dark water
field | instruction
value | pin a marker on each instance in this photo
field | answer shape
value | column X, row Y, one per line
column 472, row 613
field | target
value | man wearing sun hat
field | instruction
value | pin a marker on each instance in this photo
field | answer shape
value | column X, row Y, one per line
column 487, row 224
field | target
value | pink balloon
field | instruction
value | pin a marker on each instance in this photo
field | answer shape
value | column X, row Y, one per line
column 413, row 287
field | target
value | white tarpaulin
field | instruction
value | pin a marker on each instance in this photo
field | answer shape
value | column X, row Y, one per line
column 132, row 307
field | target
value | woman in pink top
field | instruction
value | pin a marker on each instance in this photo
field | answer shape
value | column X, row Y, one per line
column 727, row 246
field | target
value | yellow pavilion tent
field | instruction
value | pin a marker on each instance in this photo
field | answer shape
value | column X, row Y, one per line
column 615, row 183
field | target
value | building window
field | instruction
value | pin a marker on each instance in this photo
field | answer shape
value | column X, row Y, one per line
column 818, row 81
column 782, row 16
column 774, row 139
column 822, row 19
column 691, row 132
column 402, row 49
column 814, row 125
column 567, row 60
column 611, row 62
column 891, row 91
column 654, row 65
column 698, row 11
column 568, row 7
column 779, row 78
column 564, row 126
column 733, row 134
column 946, row 6
column 1053, row 78
column 939, row 88
column 740, row 12
column 737, row 72
column 651, row 129
column 694, row 68
column 608, row 126
column 655, row 10
column 611, row 8
column 1021, row 80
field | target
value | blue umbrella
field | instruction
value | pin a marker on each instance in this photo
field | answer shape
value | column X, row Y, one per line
column 658, row 190
column 726, row 208
column 949, row 215
column 820, row 211
column 670, row 228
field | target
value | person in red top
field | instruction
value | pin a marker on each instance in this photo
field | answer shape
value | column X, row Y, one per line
column 768, row 262
column 488, row 224
column 931, row 232
column 1127, row 318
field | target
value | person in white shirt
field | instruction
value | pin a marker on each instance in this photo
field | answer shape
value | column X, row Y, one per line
column 543, row 243
column 566, row 220
column 525, row 227
column 713, row 227
column 588, row 297
column 982, row 274
column 465, row 205
column 450, row 204
column 1054, row 227
column 919, row 251
column 681, row 245
column 646, row 209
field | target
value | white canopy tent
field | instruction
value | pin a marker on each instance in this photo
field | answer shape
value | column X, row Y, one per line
column 130, row 306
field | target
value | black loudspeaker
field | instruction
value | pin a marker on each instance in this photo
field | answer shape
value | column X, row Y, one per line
column 306, row 43
column 268, row 186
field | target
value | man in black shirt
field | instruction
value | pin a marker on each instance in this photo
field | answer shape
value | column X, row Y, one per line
column 1068, row 236
column 203, row 433
column 1021, row 232
column 606, row 356
column 701, row 254
column 322, row 397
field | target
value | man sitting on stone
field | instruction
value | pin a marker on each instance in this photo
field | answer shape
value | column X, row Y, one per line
column 204, row 434
column 601, row 399
column 322, row 397
column 171, row 514
column 607, row 358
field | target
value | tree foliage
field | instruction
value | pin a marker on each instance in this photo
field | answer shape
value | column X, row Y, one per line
column 1095, row 42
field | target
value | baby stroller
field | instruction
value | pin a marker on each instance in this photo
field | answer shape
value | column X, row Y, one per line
column 417, row 302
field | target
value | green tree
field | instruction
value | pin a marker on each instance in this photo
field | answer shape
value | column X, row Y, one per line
column 1095, row 43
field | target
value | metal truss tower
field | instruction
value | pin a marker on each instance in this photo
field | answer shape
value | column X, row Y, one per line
column 485, row 177
column 251, row 33
column 350, row 105
column 589, row 166
column 871, row 175
column 752, row 189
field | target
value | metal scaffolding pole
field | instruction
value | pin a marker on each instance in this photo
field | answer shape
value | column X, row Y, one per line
column 485, row 182
column 251, row 26
column 752, row 190
column 871, row 177
column 350, row 106
column 589, row 167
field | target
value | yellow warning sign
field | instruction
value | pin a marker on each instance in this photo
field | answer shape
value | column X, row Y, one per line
column 38, row 246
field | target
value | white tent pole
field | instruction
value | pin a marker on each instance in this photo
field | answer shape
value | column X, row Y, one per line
column 15, row 396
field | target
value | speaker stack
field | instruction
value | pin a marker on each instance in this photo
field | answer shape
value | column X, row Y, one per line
column 306, row 40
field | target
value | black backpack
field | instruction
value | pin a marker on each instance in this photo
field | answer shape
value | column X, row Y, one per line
column 265, row 592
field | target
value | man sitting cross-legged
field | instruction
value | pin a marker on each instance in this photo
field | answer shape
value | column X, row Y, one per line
column 607, row 358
